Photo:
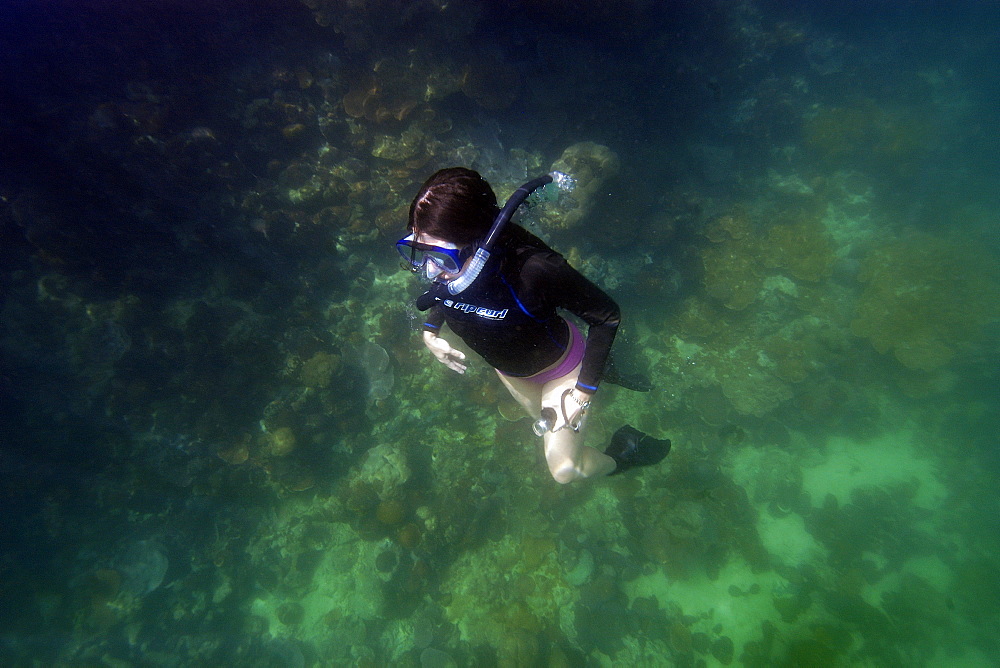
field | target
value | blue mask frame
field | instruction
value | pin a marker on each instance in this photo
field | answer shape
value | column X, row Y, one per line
column 418, row 255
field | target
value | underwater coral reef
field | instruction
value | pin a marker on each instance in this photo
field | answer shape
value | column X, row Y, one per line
column 223, row 444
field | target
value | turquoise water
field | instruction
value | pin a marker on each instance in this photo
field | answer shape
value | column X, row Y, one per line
column 223, row 442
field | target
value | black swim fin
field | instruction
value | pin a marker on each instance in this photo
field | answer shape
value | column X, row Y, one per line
column 636, row 382
column 631, row 448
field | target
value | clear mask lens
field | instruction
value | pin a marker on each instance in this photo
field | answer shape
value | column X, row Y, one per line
column 432, row 268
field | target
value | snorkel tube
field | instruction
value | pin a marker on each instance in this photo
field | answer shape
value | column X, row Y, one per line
column 475, row 266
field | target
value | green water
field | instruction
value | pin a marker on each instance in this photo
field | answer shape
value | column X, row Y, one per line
column 222, row 441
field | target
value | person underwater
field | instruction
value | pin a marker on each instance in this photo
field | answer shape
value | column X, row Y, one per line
column 499, row 287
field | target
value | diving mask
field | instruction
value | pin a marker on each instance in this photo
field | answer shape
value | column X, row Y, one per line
column 432, row 259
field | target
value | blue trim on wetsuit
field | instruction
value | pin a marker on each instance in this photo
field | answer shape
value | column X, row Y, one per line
column 517, row 300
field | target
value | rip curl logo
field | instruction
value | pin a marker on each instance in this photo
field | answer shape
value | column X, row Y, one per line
column 481, row 311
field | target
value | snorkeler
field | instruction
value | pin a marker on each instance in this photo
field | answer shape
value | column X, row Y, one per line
column 498, row 287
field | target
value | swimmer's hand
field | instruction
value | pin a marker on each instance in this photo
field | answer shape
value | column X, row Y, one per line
column 442, row 350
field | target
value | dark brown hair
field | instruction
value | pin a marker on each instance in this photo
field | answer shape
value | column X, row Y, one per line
column 454, row 204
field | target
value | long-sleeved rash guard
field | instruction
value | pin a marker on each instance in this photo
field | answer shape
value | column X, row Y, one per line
column 509, row 315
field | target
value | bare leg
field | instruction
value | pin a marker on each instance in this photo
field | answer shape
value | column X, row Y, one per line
column 526, row 393
column 567, row 457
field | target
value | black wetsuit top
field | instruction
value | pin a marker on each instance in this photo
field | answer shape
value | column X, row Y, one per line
column 509, row 315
